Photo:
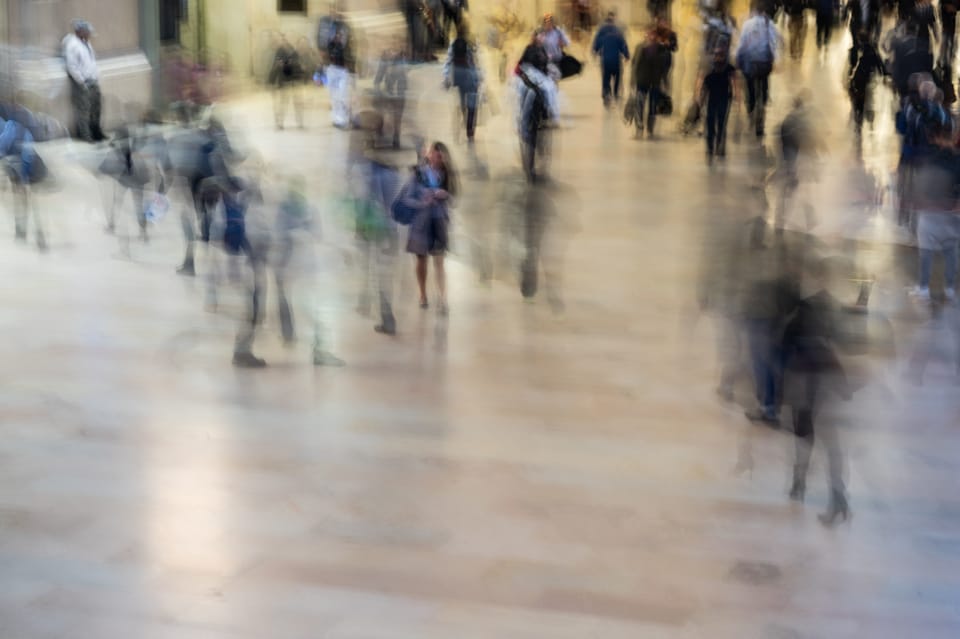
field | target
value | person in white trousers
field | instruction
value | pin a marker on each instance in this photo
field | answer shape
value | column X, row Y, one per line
column 335, row 40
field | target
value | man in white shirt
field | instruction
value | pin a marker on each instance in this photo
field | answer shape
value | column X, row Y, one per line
column 84, row 77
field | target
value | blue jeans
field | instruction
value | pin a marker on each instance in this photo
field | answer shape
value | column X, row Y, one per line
column 465, row 79
column 765, row 359
column 949, row 266
column 937, row 231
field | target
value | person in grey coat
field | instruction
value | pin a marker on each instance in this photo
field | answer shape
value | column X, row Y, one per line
column 429, row 192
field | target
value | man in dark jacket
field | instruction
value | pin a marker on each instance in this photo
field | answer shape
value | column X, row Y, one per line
column 286, row 78
column 826, row 15
column 610, row 45
column 864, row 15
column 652, row 60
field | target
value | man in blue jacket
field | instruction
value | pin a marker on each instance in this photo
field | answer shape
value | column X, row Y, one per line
column 610, row 45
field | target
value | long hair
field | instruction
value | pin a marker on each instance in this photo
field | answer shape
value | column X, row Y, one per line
column 450, row 182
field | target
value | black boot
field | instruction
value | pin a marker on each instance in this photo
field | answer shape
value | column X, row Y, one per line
column 838, row 509
column 798, row 490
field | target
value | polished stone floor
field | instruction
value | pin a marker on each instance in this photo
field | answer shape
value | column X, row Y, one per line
column 518, row 469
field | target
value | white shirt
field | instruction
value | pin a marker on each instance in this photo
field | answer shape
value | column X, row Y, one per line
column 80, row 58
column 758, row 37
column 554, row 42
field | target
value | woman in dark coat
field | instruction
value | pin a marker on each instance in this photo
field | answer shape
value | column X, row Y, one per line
column 813, row 377
column 433, row 185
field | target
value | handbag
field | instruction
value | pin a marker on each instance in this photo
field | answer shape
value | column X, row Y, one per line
column 665, row 105
column 401, row 211
column 630, row 109
column 569, row 66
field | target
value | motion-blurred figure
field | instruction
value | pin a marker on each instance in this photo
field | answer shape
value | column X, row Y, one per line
column 538, row 109
column 770, row 296
column 81, row 62
column 718, row 89
column 197, row 152
column 652, row 60
column 867, row 64
column 543, row 253
column 335, row 42
column 826, row 11
column 812, row 373
column 294, row 265
column 126, row 165
column 796, row 11
column 925, row 19
column 756, row 54
column 948, row 23
column 920, row 113
column 23, row 167
column 936, row 176
column 227, row 200
column 863, row 16
column 555, row 40
column 611, row 46
column 390, row 85
column 461, row 69
column 286, row 77
column 377, row 232
column 799, row 145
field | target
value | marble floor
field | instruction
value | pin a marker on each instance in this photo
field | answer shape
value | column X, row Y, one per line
column 515, row 470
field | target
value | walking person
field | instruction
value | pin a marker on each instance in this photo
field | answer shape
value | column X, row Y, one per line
column 718, row 89
column 23, row 168
column 863, row 15
column 611, row 46
column 935, row 201
column 925, row 18
column 462, row 70
column 378, row 234
column 538, row 109
column 796, row 11
column 555, row 40
column 652, row 61
column 430, row 192
column 390, row 86
column 812, row 372
column 335, row 42
column 756, row 54
column 286, row 77
column 81, row 62
column 294, row 266
column 826, row 16
column 948, row 24
column 867, row 65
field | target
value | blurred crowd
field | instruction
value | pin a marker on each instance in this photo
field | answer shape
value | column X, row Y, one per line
column 786, row 332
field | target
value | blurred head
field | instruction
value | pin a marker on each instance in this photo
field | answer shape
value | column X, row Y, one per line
column 611, row 16
column 719, row 57
column 82, row 29
column 928, row 90
column 438, row 157
column 547, row 21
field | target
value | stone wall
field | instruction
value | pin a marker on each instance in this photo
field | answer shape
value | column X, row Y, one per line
column 35, row 31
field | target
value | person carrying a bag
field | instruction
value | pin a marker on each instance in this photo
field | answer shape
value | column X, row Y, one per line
column 652, row 60
column 424, row 204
